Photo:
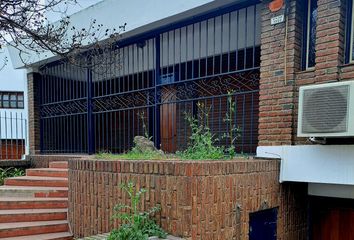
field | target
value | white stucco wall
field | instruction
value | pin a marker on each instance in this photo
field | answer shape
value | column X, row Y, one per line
column 13, row 80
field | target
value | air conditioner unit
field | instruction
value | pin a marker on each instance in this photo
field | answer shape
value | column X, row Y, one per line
column 326, row 110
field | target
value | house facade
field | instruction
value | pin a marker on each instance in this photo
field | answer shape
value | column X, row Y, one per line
column 221, row 62
column 13, row 110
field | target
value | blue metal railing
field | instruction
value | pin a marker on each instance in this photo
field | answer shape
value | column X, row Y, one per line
column 13, row 135
column 153, row 85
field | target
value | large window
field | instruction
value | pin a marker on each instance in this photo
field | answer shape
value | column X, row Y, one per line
column 11, row 100
column 309, row 40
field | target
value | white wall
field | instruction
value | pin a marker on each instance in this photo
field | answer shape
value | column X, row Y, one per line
column 323, row 164
column 13, row 80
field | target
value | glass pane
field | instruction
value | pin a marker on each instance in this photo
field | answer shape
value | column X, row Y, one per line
column 312, row 34
column 5, row 103
column 13, row 97
column 5, row 97
column 20, row 104
column 13, row 104
column 20, row 97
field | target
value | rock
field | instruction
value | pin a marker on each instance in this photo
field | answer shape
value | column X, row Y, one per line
column 154, row 238
column 142, row 144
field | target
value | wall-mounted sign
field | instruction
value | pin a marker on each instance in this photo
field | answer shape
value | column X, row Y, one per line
column 277, row 19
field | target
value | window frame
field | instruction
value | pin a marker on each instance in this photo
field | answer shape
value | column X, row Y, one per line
column 306, row 35
column 349, row 34
column 10, row 94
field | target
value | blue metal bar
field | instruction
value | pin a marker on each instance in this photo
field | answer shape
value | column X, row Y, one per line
column 157, row 137
column 90, row 122
column 211, row 76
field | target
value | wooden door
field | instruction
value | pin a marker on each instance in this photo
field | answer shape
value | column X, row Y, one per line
column 333, row 220
column 334, row 224
column 168, row 113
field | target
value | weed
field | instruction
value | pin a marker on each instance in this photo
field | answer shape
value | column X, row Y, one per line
column 136, row 225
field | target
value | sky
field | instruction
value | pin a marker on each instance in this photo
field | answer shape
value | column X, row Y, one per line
column 81, row 4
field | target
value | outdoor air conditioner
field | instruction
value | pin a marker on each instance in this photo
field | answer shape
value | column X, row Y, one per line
column 326, row 110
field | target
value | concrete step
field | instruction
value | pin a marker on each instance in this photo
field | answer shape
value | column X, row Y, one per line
column 37, row 181
column 7, row 203
column 31, row 192
column 29, row 215
column 47, row 172
column 48, row 236
column 59, row 164
column 32, row 228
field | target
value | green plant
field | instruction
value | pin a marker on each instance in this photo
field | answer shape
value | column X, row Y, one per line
column 136, row 225
column 132, row 155
column 201, row 142
column 142, row 117
column 10, row 172
column 233, row 131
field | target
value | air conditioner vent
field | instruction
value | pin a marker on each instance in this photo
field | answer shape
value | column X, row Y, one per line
column 325, row 109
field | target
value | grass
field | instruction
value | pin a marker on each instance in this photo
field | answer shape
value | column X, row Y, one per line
column 133, row 155
column 157, row 156
column 10, row 172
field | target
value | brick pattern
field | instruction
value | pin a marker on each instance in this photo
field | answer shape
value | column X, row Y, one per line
column 200, row 200
column 33, row 112
column 329, row 40
column 276, row 91
column 279, row 95
column 42, row 161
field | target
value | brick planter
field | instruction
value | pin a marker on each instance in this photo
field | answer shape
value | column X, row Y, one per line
column 199, row 199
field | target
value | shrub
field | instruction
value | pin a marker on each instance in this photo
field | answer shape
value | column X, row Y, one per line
column 10, row 172
column 201, row 142
column 136, row 225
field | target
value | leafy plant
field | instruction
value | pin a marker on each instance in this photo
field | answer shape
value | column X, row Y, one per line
column 202, row 142
column 136, row 225
column 10, row 172
column 233, row 131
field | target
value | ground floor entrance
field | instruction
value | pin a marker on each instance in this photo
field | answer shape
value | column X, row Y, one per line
column 332, row 219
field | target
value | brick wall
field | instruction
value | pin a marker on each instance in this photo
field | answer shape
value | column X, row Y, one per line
column 42, row 161
column 200, row 200
column 33, row 112
column 279, row 94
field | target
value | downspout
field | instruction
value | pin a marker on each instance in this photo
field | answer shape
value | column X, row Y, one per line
column 287, row 7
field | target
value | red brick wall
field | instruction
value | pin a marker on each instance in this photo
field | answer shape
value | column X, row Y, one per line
column 279, row 95
column 42, row 161
column 33, row 112
column 200, row 200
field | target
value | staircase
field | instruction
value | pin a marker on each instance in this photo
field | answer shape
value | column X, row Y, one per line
column 34, row 207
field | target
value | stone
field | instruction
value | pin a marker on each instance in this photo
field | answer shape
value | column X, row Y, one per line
column 143, row 144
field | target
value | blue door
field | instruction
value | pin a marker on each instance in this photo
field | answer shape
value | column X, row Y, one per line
column 263, row 225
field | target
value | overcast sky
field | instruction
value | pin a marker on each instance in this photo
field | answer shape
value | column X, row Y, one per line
column 81, row 4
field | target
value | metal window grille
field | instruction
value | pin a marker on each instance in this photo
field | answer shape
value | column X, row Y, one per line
column 147, row 88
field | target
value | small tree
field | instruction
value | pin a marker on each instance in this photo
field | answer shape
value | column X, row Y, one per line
column 24, row 26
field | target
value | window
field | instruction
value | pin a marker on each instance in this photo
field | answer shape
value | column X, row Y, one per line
column 309, row 32
column 11, row 100
column 349, row 55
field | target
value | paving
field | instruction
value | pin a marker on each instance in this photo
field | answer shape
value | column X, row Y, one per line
column 34, row 207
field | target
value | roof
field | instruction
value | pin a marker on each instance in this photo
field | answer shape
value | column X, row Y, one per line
column 140, row 18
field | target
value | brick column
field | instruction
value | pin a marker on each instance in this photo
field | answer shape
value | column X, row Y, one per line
column 329, row 40
column 33, row 79
column 276, row 90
